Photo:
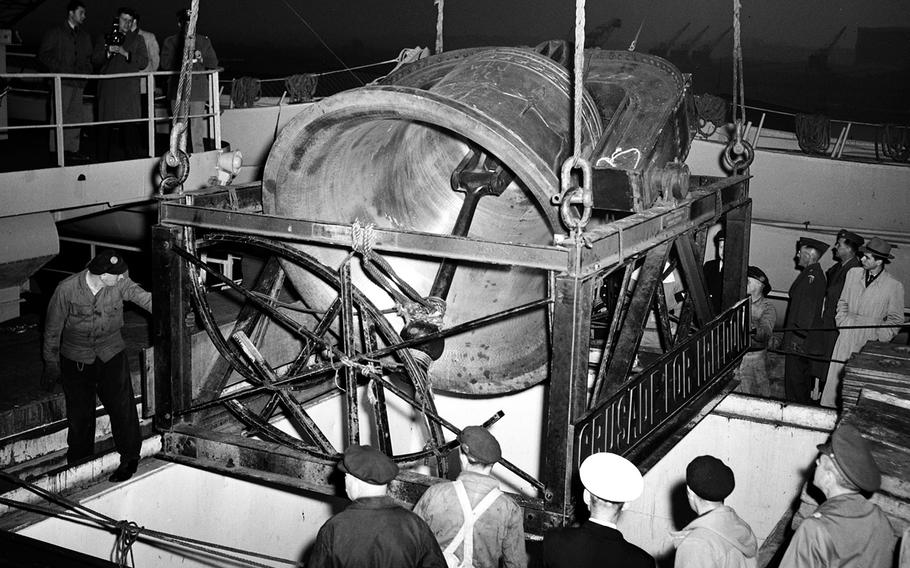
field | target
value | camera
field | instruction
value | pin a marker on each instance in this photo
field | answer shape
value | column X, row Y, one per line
column 115, row 36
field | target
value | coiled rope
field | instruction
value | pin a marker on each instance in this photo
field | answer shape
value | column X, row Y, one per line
column 245, row 91
column 301, row 87
column 813, row 133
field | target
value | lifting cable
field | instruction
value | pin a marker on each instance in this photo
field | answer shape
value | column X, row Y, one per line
column 440, row 5
column 573, row 194
column 738, row 154
column 176, row 157
column 128, row 532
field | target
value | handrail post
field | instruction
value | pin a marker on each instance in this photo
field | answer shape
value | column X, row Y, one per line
column 215, row 98
column 58, row 118
column 150, row 107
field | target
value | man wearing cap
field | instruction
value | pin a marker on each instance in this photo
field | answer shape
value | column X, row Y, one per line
column 846, row 530
column 83, row 344
column 846, row 249
column 609, row 482
column 374, row 531
column 753, row 371
column 871, row 297
column 807, row 294
column 718, row 537
column 497, row 538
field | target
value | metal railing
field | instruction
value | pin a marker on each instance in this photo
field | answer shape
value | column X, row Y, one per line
column 863, row 138
column 150, row 120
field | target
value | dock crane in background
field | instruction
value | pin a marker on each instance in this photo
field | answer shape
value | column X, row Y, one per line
column 681, row 56
column 599, row 36
column 664, row 48
column 818, row 60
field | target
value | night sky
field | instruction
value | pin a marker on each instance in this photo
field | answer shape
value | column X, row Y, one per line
column 268, row 38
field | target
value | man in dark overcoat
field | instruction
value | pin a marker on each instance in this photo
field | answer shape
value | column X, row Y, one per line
column 807, row 295
column 118, row 99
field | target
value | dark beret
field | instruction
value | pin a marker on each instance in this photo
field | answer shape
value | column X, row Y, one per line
column 107, row 262
column 759, row 274
column 813, row 243
column 480, row 444
column 366, row 463
column 710, row 478
column 851, row 454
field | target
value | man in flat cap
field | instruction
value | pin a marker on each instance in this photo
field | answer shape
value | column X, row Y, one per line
column 871, row 297
column 610, row 481
column 718, row 538
column 714, row 272
column 846, row 531
column 753, row 371
column 473, row 521
column 846, row 252
column 83, row 344
column 374, row 531
column 807, row 294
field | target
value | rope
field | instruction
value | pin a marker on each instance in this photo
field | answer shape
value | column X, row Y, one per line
column 579, row 76
column 185, row 84
column 301, row 87
column 711, row 111
column 896, row 142
column 739, row 90
column 440, row 5
column 128, row 532
column 245, row 91
column 363, row 238
column 813, row 133
column 324, row 44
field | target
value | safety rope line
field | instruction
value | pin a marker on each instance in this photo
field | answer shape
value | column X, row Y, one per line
column 324, row 44
column 129, row 532
column 440, row 6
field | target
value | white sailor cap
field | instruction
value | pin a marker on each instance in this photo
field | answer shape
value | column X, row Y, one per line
column 611, row 477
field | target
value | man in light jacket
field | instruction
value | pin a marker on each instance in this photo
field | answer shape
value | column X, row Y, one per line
column 718, row 538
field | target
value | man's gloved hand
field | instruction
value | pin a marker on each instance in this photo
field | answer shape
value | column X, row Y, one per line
column 51, row 375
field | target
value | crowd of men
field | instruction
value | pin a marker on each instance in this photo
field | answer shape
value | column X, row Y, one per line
column 127, row 48
column 470, row 522
column 831, row 315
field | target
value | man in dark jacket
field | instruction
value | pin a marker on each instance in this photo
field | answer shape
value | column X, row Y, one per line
column 845, row 250
column 807, row 294
column 82, row 340
column 374, row 531
column 610, row 481
column 204, row 57
column 67, row 48
column 118, row 99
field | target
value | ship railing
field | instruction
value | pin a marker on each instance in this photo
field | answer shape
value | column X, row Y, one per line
column 150, row 120
column 775, row 130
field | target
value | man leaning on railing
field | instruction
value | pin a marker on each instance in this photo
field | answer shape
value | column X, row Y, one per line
column 67, row 48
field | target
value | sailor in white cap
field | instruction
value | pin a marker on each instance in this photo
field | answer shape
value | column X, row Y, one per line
column 610, row 481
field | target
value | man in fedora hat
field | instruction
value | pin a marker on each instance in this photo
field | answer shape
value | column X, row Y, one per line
column 807, row 294
column 610, row 481
column 474, row 501
column 374, row 531
column 846, row 531
column 718, row 537
column 846, row 252
column 82, row 342
column 753, row 371
column 871, row 297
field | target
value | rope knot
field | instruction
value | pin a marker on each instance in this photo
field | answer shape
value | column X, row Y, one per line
column 127, row 534
column 363, row 238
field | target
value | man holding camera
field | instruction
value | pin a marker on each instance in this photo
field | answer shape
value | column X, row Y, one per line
column 121, row 51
